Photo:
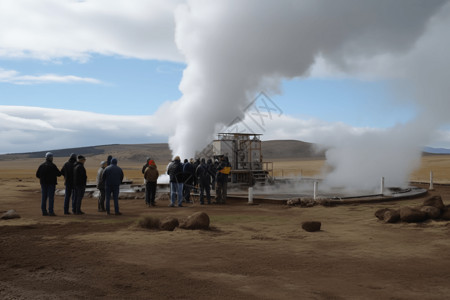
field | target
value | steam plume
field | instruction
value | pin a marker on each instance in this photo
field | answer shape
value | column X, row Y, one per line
column 235, row 48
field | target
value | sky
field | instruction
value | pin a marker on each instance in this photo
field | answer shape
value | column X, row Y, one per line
column 80, row 73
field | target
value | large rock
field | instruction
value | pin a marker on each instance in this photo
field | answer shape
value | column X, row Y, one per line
column 199, row 220
column 431, row 211
column 435, row 201
column 380, row 213
column 169, row 224
column 391, row 216
column 311, row 226
column 408, row 214
column 10, row 214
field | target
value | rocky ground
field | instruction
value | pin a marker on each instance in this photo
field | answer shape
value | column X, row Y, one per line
column 250, row 252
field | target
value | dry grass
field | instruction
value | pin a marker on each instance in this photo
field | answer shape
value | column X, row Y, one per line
column 439, row 164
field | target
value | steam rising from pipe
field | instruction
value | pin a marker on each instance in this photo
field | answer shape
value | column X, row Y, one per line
column 234, row 49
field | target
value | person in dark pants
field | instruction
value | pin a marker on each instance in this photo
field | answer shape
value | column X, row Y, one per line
column 204, row 181
column 151, row 175
column 67, row 172
column 189, row 180
column 175, row 172
column 113, row 177
column 223, row 169
column 79, row 183
column 47, row 174
column 101, row 187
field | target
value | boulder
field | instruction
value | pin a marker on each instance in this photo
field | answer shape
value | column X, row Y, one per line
column 311, row 226
column 380, row 213
column 431, row 211
column 199, row 220
column 169, row 224
column 391, row 216
column 410, row 215
column 435, row 201
column 10, row 214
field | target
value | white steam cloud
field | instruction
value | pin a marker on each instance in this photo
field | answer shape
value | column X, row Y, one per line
column 234, row 49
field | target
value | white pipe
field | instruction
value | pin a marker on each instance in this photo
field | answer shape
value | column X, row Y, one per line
column 250, row 195
column 431, row 181
column 315, row 189
column 382, row 186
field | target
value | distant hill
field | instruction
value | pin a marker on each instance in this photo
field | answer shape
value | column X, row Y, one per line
column 275, row 149
column 272, row 150
column 432, row 150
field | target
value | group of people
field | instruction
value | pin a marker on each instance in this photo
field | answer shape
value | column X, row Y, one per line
column 202, row 174
column 109, row 178
column 205, row 174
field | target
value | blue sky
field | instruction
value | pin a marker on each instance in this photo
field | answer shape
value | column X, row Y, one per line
column 79, row 73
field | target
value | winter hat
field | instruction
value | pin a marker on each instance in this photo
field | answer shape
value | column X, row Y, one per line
column 81, row 157
column 177, row 158
column 102, row 163
column 49, row 155
column 114, row 161
column 73, row 156
column 152, row 163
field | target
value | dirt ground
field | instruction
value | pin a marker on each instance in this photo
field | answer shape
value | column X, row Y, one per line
column 251, row 252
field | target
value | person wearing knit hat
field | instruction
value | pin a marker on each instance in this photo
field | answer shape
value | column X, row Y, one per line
column 67, row 172
column 47, row 174
column 151, row 175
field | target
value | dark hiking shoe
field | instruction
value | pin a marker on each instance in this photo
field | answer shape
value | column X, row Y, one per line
column 118, row 213
column 52, row 214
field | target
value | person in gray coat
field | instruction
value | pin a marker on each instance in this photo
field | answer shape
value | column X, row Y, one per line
column 112, row 177
column 101, row 187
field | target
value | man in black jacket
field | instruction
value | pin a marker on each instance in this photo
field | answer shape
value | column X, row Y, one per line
column 67, row 172
column 47, row 173
column 79, row 183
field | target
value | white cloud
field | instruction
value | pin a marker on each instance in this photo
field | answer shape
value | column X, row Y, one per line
column 12, row 76
column 51, row 29
column 27, row 129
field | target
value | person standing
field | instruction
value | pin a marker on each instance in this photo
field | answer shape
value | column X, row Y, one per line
column 79, row 183
column 67, row 172
column 151, row 175
column 223, row 170
column 113, row 177
column 175, row 172
column 101, row 187
column 204, row 181
column 47, row 173
column 189, row 180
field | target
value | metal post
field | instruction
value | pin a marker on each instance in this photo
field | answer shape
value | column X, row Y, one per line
column 315, row 189
column 431, row 181
column 250, row 195
column 382, row 186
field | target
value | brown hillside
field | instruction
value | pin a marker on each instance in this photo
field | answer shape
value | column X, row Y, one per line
column 275, row 149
